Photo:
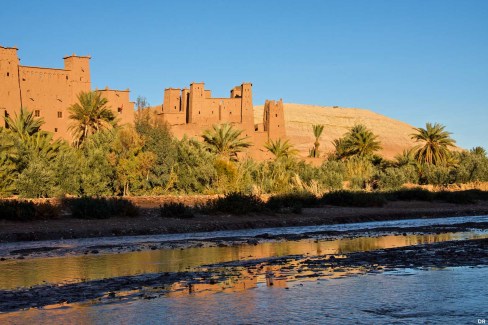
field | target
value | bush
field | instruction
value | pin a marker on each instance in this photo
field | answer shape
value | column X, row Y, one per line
column 291, row 202
column 100, row 208
column 17, row 210
column 331, row 175
column 235, row 203
column 175, row 210
column 461, row 197
column 391, row 178
column 354, row 199
column 437, row 175
column 415, row 194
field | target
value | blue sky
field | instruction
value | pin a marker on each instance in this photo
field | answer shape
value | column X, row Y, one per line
column 416, row 61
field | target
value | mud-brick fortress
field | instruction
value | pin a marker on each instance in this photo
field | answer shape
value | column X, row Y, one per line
column 49, row 92
column 190, row 111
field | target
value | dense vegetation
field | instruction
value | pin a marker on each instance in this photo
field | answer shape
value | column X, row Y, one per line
column 145, row 159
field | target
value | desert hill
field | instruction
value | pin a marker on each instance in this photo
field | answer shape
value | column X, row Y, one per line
column 393, row 134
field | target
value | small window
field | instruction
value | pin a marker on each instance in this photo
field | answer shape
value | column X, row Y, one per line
column 37, row 113
column 8, row 74
column 198, row 112
column 55, row 129
column 66, row 77
column 60, row 114
column 276, row 115
column 119, row 110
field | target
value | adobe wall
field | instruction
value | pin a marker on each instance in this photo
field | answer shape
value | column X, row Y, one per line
column 191, row 111
column 120, row 104
column 48, row 92
column 9, row 79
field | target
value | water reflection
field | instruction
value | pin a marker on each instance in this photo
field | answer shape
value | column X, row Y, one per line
column 26, row 273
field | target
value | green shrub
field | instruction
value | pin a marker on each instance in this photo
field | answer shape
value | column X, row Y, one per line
column 354, row 199
column 415, row 194
column 17, row 210
column 100, row 208
column 437, row 175
column 24, row 210
column 331, row 175
column 235, row 203
column 391, row 179
column 293, row 202
column 461, row 197
column 120, row 207
column 175, row 210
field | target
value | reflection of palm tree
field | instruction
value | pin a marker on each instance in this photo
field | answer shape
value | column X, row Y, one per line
column 90, row 115
column 24, row 124
column 225, row 141
column 281, row 149
column 317, row 132
column 435, row 145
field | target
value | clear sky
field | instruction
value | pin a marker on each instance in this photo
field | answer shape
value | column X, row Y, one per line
column 416, row 61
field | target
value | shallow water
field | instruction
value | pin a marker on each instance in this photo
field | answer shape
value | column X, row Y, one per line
column 451, row 295
column 70, row 269
column 447, row 296
column 85, row 242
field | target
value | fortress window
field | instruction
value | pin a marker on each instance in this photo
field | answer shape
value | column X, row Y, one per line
column 66, row 77
column 55, row 129
column 37, row 113
column 276, row 115
column 8, row 74
column 60, row 114
column 119, row 110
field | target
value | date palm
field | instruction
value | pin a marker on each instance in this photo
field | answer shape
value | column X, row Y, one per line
column 358, row 142
column 479, row 151
column 90, row 115
column 225, row 141
column 317, row 132
column 24, row 124
column 281, row 149
column 434, row 146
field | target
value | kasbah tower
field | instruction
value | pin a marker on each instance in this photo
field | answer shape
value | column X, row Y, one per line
column 48, row 92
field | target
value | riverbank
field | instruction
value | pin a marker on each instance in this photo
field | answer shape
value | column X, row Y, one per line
column 150, row 223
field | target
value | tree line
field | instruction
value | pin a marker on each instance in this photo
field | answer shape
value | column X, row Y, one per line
column 107, row 159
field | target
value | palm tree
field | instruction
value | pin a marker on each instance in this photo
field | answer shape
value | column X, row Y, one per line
column 407, row 157
column 281, row 149
column 434, row 149
column 24, row 124
column 358, row 142
column 225, row 141
column 479, row 151
column 90, row 115
column 317, row 132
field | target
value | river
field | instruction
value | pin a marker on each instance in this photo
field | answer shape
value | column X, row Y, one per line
column 293, row 290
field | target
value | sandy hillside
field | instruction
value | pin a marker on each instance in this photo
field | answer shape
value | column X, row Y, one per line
column 393, row 134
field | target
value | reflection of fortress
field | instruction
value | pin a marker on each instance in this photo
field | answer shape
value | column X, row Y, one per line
column 191, row 111
column 49, row 92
